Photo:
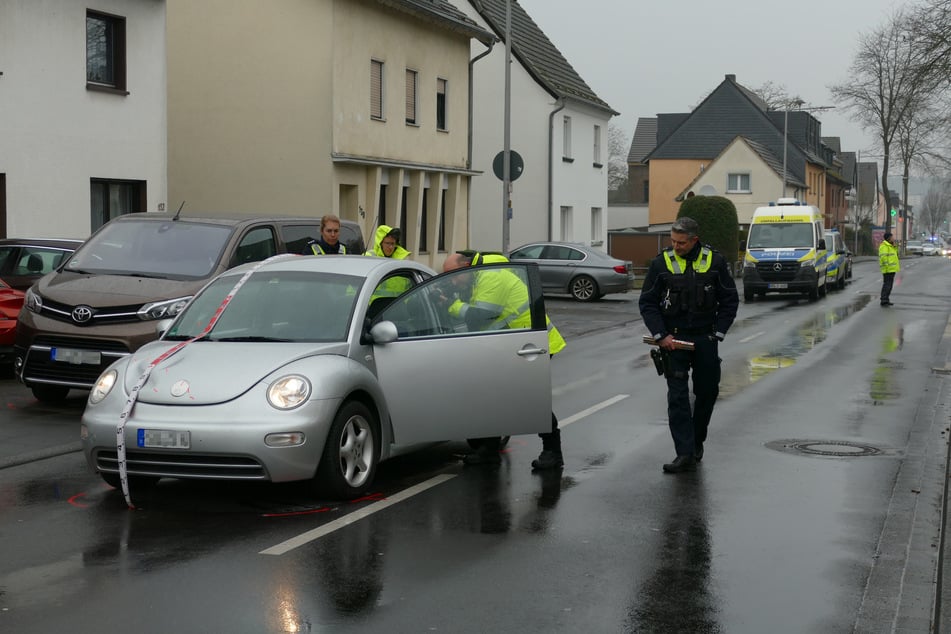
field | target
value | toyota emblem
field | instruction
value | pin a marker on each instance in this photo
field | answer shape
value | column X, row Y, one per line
column 777, row 267
column 82, row 314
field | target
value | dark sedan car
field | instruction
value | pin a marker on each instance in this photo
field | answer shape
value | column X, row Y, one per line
column 25, row 260
column 585, row 273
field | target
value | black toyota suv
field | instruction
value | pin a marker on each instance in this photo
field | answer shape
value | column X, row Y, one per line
column 106, row 299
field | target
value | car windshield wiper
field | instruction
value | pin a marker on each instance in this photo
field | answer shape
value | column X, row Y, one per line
column 151, row 276
column 251, row 338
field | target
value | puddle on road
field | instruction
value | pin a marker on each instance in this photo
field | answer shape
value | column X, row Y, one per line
column 800, row 340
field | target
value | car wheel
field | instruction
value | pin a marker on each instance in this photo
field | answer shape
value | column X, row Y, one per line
column 351, row 453
column 53, row 394
column 813, row 293
column 583, row 288
column 112, row 479
column 842, row 283
column 748, row 295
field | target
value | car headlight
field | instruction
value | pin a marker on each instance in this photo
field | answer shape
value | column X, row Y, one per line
column 288, row 392
column 103, row 386
column 33, row 301
column 164, row 309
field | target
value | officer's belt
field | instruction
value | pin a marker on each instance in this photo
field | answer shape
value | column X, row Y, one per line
column 707, row 330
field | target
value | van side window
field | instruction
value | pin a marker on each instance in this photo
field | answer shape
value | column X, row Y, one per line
column 297, row 237
column 256, row 245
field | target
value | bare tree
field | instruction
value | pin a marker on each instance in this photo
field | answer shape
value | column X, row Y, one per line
column 618, row 146
column 934, row 206
column 885, row 87
column 776, row 96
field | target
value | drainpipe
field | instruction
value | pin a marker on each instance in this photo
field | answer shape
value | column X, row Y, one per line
column 469, row 143
column 551, row 166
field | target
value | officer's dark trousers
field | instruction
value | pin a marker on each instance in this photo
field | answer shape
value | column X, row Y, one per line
column 888, row 280
column 687, row 428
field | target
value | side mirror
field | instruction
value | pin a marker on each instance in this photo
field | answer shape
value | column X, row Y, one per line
column 384, row 332
column 162, row 326
column 822, row 245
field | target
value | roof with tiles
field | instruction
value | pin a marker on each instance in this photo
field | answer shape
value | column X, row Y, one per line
column 537, row 54
column 645, row 139
column 443, row 13
column 729, row 111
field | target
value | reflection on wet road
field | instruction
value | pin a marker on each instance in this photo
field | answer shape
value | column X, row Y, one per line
column 796, row 342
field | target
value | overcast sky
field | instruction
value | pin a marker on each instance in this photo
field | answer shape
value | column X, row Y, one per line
column 646, row 58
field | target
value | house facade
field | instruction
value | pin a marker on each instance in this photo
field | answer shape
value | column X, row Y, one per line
column 558, row 126
column 358, row 108
column 83, row 132
column 780, row 155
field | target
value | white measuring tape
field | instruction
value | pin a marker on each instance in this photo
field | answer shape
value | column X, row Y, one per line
column 134, row 394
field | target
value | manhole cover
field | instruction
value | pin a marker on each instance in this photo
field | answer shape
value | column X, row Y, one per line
column 837, row 448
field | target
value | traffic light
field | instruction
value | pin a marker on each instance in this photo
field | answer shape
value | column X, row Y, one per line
column 894, row 213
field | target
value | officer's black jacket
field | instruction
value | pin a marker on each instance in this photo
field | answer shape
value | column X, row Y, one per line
column 691, row 302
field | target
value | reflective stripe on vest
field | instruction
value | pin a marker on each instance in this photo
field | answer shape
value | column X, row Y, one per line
column 678, row 265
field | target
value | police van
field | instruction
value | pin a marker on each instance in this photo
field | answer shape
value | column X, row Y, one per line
column 785, row 251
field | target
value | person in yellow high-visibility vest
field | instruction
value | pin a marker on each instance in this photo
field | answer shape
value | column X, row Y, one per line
column 499, row 299
column 889, row 265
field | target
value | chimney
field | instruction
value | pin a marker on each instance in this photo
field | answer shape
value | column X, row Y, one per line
column 731, row 78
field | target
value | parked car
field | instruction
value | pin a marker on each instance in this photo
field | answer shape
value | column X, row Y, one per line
column 838, row 263
column 309, row 371
column 11, row 301
column 25, row 260
column 104, row 301
column 585, row 273
column 914, row 247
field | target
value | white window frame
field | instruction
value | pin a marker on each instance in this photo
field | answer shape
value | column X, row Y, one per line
column 565, row 223
column 377, row 92
column 597, row 226
column 442, row 88
column 734, row 183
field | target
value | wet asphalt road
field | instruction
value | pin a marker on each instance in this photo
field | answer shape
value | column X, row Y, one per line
column 816, row 509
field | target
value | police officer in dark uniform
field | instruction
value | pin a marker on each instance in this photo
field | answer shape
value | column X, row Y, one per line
column 689, row 295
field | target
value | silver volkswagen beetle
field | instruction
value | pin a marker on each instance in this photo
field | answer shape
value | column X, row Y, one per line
column 319, row 368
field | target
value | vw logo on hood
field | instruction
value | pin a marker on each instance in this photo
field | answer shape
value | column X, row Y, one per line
column 82, row 314
column 777, row 267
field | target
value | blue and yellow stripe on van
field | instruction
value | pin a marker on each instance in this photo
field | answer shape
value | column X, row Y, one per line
column 780, row 255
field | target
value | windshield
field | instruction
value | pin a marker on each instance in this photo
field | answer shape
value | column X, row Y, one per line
column 175, row 249
column 781, row 235
column 273, row 306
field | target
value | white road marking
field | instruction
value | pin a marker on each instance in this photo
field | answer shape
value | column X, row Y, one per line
column 591, row 410
column 753, row 336
column 317, row 533
column 311, row 535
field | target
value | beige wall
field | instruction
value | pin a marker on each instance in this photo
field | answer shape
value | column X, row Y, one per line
column 249, row 106
column 401, row 43
column 669, row 177
column 269, row 112
column 816, row 179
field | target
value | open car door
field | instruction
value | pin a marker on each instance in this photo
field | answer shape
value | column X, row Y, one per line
column 460, row 372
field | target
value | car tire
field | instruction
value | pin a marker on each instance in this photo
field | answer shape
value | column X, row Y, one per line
column 135, row 482
column 583, row 288
column 842, row 283
column 748, row 295
column 351, row 453
column 813, row 293
column 51, row 394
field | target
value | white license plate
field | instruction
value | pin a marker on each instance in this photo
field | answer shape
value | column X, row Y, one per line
column 778, row 286
column 164, row 439
column 75, row 356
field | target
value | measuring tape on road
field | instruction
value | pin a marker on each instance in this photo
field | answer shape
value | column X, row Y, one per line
column 134, row 393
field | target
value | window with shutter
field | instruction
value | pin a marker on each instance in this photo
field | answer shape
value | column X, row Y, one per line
column 411, row 96
column 376, row 89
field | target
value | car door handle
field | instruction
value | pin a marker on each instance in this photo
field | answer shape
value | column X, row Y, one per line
column 524, row 352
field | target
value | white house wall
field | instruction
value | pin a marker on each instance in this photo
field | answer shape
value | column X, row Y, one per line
column 577, row 185
column 55, row 135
